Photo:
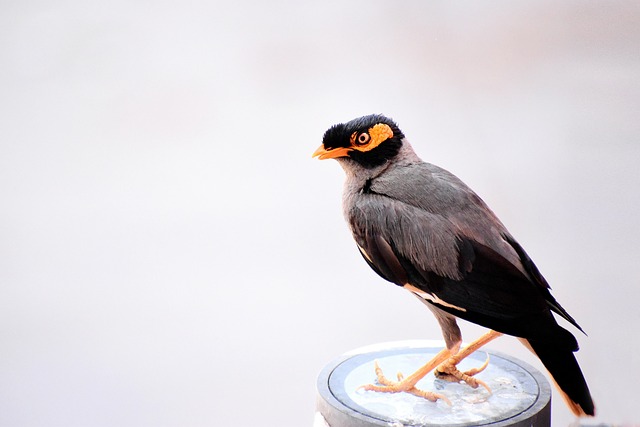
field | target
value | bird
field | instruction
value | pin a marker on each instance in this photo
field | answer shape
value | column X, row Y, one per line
column 420, row 227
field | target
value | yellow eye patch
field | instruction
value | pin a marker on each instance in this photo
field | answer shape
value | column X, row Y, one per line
column 377, row 135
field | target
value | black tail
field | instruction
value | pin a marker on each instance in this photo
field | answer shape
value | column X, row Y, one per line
column 563, row 367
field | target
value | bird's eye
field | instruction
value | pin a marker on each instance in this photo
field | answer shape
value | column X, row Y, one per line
column 362, row 139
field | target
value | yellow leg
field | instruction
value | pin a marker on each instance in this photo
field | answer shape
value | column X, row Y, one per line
column 445, row 364
column 449, row 371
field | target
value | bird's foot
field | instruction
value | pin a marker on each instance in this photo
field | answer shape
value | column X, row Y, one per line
column 448, row 371
column 402, row 385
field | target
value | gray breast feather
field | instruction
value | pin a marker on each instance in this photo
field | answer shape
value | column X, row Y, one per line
column 423, row 211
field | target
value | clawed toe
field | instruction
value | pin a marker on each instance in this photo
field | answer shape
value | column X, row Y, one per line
column 448, row 371
column 402, row 385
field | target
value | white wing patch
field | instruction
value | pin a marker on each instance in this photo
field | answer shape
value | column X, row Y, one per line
column 366, row 255
column 431, row 297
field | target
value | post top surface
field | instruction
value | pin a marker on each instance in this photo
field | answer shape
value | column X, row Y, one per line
column 516, row 388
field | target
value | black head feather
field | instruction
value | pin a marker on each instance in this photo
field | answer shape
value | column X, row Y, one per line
column 340, row 136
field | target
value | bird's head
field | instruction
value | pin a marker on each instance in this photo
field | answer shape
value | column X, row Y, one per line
column 369, row 141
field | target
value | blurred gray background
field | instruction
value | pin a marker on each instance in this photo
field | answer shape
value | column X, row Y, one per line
column 170, row 254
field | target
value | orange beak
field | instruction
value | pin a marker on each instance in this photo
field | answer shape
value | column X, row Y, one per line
column 322, row 154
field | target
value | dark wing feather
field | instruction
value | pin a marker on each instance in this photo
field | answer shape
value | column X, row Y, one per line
column 496, row 295
column 474, row 270
column 536, row 276
column 381, row 258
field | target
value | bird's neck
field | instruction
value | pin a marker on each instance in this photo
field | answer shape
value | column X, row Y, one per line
column 357, row 175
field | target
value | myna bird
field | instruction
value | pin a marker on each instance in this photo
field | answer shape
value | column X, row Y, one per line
column 422, row 228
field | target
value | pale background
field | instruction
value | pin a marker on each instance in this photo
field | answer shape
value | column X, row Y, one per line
column 170, row 254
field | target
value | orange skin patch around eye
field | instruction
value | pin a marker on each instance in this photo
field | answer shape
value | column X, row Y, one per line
column 378, row 134
column 352, row 140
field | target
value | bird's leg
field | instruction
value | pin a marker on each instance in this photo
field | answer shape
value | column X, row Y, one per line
column 408, row 384
column 448, row 370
